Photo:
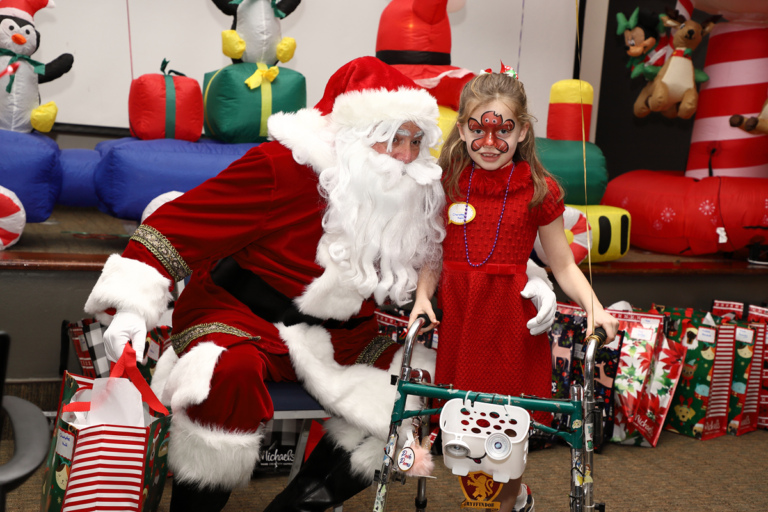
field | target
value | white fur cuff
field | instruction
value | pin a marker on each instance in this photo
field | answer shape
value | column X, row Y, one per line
column 189, row 380
column 211, row 457
column 129, row 285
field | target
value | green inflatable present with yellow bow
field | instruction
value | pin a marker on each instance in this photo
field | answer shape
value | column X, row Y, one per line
column 239, row 98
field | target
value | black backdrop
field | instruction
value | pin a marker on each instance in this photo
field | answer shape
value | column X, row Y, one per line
column 629, row 143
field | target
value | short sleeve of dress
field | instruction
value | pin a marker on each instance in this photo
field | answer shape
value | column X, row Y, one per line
column 551, row 207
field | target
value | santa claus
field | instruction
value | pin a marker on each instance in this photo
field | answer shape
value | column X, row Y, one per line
column 288, row 251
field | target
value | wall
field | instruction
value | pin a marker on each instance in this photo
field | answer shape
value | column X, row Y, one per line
column 32, row 307
column 114, row 41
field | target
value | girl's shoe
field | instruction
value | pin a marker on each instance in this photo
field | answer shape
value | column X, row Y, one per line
column 528, row 507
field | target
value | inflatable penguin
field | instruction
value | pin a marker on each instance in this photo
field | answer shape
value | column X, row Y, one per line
column 255, row 36
column 20, row 109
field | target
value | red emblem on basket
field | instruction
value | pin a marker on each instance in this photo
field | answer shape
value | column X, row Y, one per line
column 480, row 490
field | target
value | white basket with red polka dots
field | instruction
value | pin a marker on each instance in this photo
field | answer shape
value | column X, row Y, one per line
column 485, row 437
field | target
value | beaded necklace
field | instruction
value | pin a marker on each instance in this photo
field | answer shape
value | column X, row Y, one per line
column 498, row 225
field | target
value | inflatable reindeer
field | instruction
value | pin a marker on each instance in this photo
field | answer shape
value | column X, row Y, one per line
column 673, row 91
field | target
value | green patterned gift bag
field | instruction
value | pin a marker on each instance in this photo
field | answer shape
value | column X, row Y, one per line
column 700, row 404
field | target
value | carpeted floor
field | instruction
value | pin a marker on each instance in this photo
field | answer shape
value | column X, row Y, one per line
column 681, row 474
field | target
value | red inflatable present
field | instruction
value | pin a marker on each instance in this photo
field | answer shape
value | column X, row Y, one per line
column 675, row 214
column 163, row 106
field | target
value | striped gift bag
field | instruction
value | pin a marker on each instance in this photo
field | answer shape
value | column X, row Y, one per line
column 105, row 467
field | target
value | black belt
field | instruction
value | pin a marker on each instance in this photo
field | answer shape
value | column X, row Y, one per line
column 266, row 302
column 393, row 57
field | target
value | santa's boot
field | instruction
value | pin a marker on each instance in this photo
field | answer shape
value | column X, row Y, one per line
column 186, row 497
column 325, row 480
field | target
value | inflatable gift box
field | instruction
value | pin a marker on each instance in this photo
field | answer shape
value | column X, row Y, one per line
column 239, row 99
column 565, row 159
column 162, row 106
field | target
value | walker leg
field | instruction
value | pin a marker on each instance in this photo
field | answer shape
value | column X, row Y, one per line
column 380, row 505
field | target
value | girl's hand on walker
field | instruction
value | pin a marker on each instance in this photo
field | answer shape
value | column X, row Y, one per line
column 423, row 307
column 604, row 320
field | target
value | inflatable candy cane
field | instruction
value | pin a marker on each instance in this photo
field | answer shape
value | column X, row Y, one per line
column 737, row 65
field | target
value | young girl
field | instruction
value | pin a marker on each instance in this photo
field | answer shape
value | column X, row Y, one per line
column 499, row 196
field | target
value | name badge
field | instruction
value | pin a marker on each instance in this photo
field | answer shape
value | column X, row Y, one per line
column 461, row 213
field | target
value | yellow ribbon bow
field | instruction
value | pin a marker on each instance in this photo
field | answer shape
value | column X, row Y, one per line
column 260, row 75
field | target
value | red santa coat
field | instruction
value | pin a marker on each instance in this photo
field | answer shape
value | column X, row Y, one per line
column 270, row 224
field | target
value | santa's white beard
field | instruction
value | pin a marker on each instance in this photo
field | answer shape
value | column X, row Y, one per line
column 382, row 223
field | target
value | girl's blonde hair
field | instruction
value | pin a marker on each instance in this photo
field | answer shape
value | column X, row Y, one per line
column 483, row 89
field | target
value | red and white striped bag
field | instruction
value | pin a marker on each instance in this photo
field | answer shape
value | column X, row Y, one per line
column 106, row 466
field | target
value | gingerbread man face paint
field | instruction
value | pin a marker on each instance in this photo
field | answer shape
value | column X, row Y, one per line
column 491, row 134
column 490, row 126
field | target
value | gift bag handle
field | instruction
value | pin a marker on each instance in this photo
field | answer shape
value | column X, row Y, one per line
column 126, row 367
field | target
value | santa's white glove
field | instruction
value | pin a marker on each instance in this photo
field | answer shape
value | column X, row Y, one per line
column 126, row 326
column 539, row 291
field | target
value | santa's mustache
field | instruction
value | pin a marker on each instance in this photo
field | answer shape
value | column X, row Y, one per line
column 423, row 170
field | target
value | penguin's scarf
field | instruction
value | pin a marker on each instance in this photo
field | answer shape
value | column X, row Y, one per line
column 37, row 67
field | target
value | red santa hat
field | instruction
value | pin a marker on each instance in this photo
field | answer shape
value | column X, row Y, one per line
column 367, row 91
column 24, row 9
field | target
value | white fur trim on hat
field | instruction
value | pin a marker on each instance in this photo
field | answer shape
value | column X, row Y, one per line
column 361, row 109
column 212, row 457
column 307, row 133
column 129, row 285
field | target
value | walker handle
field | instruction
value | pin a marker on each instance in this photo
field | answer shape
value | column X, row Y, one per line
column 600, row 336
column 427, row 321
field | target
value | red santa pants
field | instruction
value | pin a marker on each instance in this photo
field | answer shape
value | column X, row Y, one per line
column 238, row 399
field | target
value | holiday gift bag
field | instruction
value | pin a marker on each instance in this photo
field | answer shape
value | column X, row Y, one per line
column 568, row 329
column 745, row 385
column 762, row 407
column 86, row 336
column 239, row 98
column 641, row 334
column 163, row 106
column 700, row 404
column 568, row 350
column 757, row 316
column 658, row 390
column 110, row 445
column 732, row 310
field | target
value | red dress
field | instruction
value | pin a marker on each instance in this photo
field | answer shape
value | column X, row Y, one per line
column 484, row 343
